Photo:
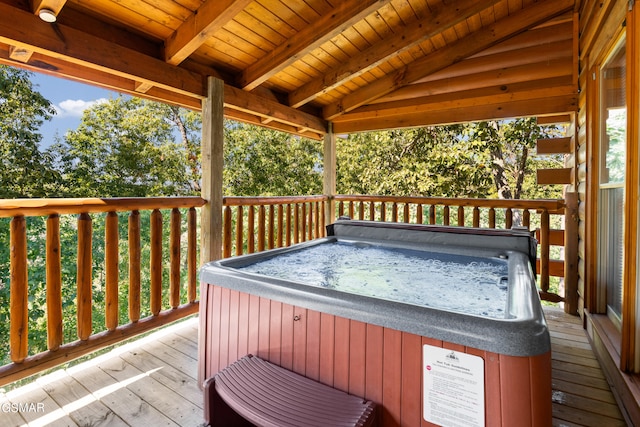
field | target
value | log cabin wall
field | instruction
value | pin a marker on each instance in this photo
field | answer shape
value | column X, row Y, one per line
column 603, row 27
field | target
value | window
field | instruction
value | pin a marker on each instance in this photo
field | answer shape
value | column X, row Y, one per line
column 612, row 150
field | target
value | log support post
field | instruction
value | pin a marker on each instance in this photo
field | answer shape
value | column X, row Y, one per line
column 329, row 186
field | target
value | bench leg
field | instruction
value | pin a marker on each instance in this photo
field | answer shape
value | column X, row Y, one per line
column 216, row 412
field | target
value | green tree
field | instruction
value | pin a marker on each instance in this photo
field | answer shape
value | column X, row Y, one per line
column 428, row 161
column 508, row 145
column 25, row 170
column 476, row 160
column 264, row 162
column 131, row 147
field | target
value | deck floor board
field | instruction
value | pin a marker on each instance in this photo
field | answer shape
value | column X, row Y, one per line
column 152, row 382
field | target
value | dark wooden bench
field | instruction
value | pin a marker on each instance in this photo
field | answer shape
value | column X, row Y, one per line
column 252, row 391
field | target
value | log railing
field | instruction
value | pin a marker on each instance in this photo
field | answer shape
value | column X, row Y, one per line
column 250, row 224
column 535, row 215
column 253, row 224
column 180, row 235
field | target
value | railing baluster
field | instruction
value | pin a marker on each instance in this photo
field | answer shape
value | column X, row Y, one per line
column 317, row 217
column 383, row 211
column 303, row 224
column 19, row 288
column 54, row 284
column 432, row 214
column 134, row 266
column 239, row 230
column 251, row 230
column 261, row 227
column 419, row 218
column 84, row 296
column 526, row 218
column 226, row 232
column 460, row 216
column 280, row 226
column 476, row 216
column 271, row 229
column 508, row 220
column 174, row 258
column 372, row 211
column 351, row 211
column 296, row 223
column 406, row 213
column 361, row 210
column 156, row 263
column 446, row 215
column 310, row 229
column 289, row 215
column 323, row 223
column 544, row 251
column 192, row 262
column 492, row 218
column 111, row 260
column 341, row 208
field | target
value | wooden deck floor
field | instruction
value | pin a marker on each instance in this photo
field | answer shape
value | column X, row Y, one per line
column 152, row 382
column 149, row 382
column 581, row 395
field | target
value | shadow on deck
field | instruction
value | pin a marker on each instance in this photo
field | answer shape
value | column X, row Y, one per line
column 152, row 382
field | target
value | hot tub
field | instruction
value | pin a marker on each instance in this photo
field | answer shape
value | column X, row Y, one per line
column 461, row 360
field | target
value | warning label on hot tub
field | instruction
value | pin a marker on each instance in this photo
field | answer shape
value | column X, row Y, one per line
column 453, row 388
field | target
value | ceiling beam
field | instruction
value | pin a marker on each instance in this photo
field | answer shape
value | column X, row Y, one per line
column 62, row 69
column 245, row 117
column 497, row 94
column 24, row 30
column 64, row 51
column 542, row 68
column 347, row 13
column 209, row 18
column 246, row 101
column 473, row 43
column 565, row 103
column 443, row 17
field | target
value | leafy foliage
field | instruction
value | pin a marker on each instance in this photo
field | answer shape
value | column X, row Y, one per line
column 25, row 171
column 485, row 159
column 127, row 146
column 264, row 162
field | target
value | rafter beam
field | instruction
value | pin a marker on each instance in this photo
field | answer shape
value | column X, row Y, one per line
column 64, row 51
column 267, row 109
column 443, row 17
column 208, row 19
column 24, row 30
column 499, row 93
column 553, row 105
column 473, row 43
column 347, row 13
column 542, row 68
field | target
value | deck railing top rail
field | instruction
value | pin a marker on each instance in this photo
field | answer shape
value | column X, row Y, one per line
column 43, row 207
column 553, row 206
column 269, row 200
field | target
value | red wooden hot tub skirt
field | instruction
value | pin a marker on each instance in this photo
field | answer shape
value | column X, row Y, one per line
column 380, row 364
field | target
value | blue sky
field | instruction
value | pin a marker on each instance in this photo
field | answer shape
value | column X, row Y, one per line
column 70, row 100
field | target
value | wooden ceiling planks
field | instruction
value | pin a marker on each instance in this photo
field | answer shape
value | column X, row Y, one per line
column 333, row 59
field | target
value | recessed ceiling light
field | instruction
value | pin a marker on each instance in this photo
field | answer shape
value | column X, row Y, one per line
column 47, row 15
